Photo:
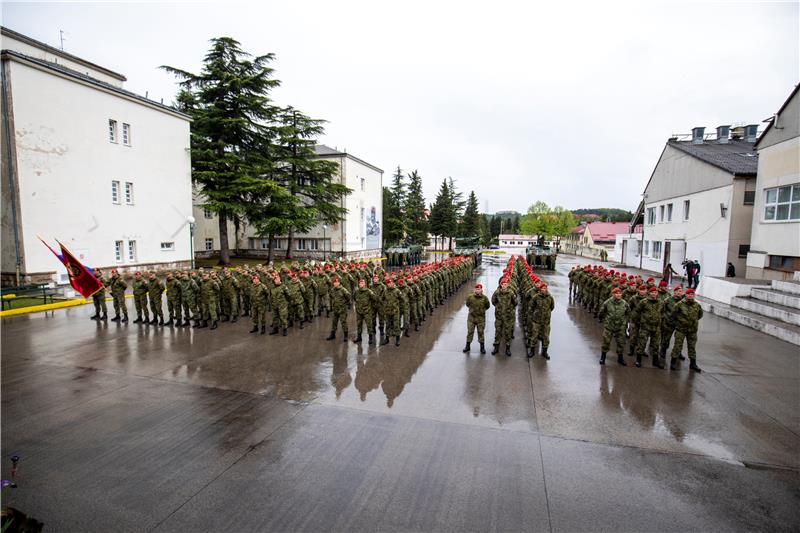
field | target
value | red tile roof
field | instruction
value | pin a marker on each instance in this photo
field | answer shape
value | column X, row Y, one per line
column 607, row 231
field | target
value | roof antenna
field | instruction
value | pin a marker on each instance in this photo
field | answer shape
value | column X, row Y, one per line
column 61, row 34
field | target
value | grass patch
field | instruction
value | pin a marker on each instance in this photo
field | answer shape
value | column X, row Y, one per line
column 26, row 301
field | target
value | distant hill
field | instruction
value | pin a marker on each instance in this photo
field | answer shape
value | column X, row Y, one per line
column 604, row 214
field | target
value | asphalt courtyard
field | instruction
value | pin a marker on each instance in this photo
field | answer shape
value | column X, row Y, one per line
column 122, row 427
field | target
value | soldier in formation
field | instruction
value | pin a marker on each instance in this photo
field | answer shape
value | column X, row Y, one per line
column 99, row 298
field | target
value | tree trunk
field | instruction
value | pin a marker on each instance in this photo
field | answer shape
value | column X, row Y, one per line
column 270, row 247
column 224, row 251
column 289, row 243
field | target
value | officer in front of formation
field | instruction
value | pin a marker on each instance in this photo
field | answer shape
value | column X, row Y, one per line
column 478, row 304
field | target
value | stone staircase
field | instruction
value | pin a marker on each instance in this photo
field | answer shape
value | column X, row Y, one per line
column 773, row 309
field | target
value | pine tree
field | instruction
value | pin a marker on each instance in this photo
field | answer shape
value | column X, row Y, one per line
column 496, row 226
column 231, row 133
column 393, row 218
column 486, row 230
column 441, row 221
column 471, row 219
column 414, row 210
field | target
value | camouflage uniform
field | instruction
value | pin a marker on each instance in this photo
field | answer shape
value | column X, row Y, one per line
column 140, row 290
column 258, row 295
column 174, row 300
column 208, row 302
column 542, row 310
column 505, row 304
column 230, row 300
column 365, row 313
column 476, row 319
column 99, row 298
column 154, row 290
column 614, row 314
column 340, row 301
column 118, row 287
column 391, row 311
column 279, row 300
column 649, row 311
column 188, row 298
column 296, row 292
column 687, row 317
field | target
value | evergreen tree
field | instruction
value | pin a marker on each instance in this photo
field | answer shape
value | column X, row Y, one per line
column 393, row 219
column 231, row 133
column 414, row 210
column 455, row 211
column 496, row 227
column 471, row 220
column 442, row 213
column 486, row 230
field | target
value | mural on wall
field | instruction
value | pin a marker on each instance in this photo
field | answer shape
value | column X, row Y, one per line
column 373, row 229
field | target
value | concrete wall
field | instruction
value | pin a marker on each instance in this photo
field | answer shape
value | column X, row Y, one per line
column 741, row 223
column 66, row 165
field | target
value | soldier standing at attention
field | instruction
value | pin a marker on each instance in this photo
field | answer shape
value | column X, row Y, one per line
column 296, row 292
column 340, row 301
column 310, row 295
column 208, row 301
column 258, row 305
column 230, row 303
column 542, row 310
column 478, row 304
column 649, row 311
column 154, row 290
column 173, row 300
column 505, row 305
column 633, row 304
column 614, row 315
column 571, row 276
column 140, row 298
column 99, row 298
column 391, row 311
column 188, row 298
column 378, row 289
column 365, row 311
column 118, row 287
column 687, row 317
column 404, row 305
column 279, row 300
column 668, row 319
column 323, row 286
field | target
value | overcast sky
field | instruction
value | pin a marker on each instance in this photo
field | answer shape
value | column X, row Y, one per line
column 569, row 103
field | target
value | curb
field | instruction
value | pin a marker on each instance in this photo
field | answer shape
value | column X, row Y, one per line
column 51, row 307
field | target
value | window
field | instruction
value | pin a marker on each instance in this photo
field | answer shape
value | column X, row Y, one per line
column 749, row 197
column 301, row 244
column 131, row 250
column 743, row 249
column 638, row 248
column 209, row 244
column 112, row 131
column 207, row 213
column 646, row 247
column 278, row 244
column 661, row 213
column 782, row 203
column 126, row 134
column 167, row 246
column 118, row 251
column 115, row 191
column 656, row 249
column 669, row 212
column 314, row 244
column 260, row 243
column 686, row 205
column 363, row 184
column 651, row 216
column 129, row 193
column 784, row 262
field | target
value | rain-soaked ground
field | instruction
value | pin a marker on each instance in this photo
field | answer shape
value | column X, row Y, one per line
column 122, row 427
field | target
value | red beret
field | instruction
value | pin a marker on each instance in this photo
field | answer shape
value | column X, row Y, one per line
column 651, row 278
column 678, row 288
column 653, row 289
column 616, row 290
column 478, row 286
column 689, row 291
column 662, row 283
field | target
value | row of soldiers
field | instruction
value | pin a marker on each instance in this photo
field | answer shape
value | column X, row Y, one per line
column 518, row 285
column 648, row 313
column 394, row 301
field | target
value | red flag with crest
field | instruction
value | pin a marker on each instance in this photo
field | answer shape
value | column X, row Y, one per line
column 80, row 278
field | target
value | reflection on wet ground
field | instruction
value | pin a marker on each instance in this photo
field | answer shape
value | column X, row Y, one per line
column 192, row 415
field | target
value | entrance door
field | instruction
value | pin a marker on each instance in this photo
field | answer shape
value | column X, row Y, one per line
column 667, row 247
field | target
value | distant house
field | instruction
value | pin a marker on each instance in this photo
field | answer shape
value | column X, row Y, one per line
column 507, row 240
column 698, row 203
column 591, row 239
column 775, row 235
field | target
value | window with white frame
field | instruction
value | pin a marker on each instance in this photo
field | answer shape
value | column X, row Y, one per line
column 646, row 247
column 661, row 213
column 209, row 244
column 131, row 250
column 782, row 203
column 112, row 131
column 669, row 212
column 118, row 251
column 126, row 134
column 207, row 213
column 686, row 205
column 301, row 244
column 129, row 193
column 313, row 244
column 638, row 248
column 279, row 244
column 167, row 246
column 115, row 191
column 651, row 216
column 656, row 249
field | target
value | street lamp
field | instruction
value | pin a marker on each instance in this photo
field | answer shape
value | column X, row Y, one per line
column 324, row 240
column 190, row 220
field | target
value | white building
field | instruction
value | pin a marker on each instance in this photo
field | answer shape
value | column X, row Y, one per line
column 517, row 242
column 359, row 236
column 775, row 237
column 698, row 204
column 103, row 170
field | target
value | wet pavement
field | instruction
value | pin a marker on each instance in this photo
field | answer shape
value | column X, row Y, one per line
column 129, row 428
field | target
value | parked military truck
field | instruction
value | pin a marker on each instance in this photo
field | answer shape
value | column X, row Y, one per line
column 403, row 255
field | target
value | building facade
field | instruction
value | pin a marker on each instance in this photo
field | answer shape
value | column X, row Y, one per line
column 358, row 236
column 698, row 204
column 103, row 170
column 775, row 236
column 590, row 240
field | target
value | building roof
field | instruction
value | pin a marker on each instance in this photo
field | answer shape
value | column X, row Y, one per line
column 322, row 150
column 578, row 229
column 61, row 53
column 737, row 157
column 514, row 237
column 607, row 231
column 63, row 71
column 771, row 120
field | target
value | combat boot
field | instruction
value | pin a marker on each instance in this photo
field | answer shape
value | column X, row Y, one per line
column 383, row 332
column 94, row 317
column 638, row 361
column 531, row 351
column 371, row 339
column 331, row 336
column 235, row 318
column 416, row 327
column 603, row 358
column 115, row 319
column 169, row 323
column 357, row 340
column 274, row 330
column 160, row 321
column 545, row 354
column 657, row 362
column 693, row 365
column 327, row 313
column 405, row 333
column 196, row 324
column 124, row 318
column 682, row 357
column 345, row 336
column 466, row 348
column 385, row 340
column 621, row 360
column 508, row 350
column 223, row 318
column 285, row 332
column 104, row 317
column 301, row 324
column 673, row 364
column 495, row 349
column 187, row 323
column 397, row 341
column 203, row 324
column 213, row 325
column 153, row 322
column 254, row 330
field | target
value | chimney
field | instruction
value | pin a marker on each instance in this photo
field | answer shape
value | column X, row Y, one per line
column 697, row 135
column 737, row 133
column 722, row 134
column 751, row 133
